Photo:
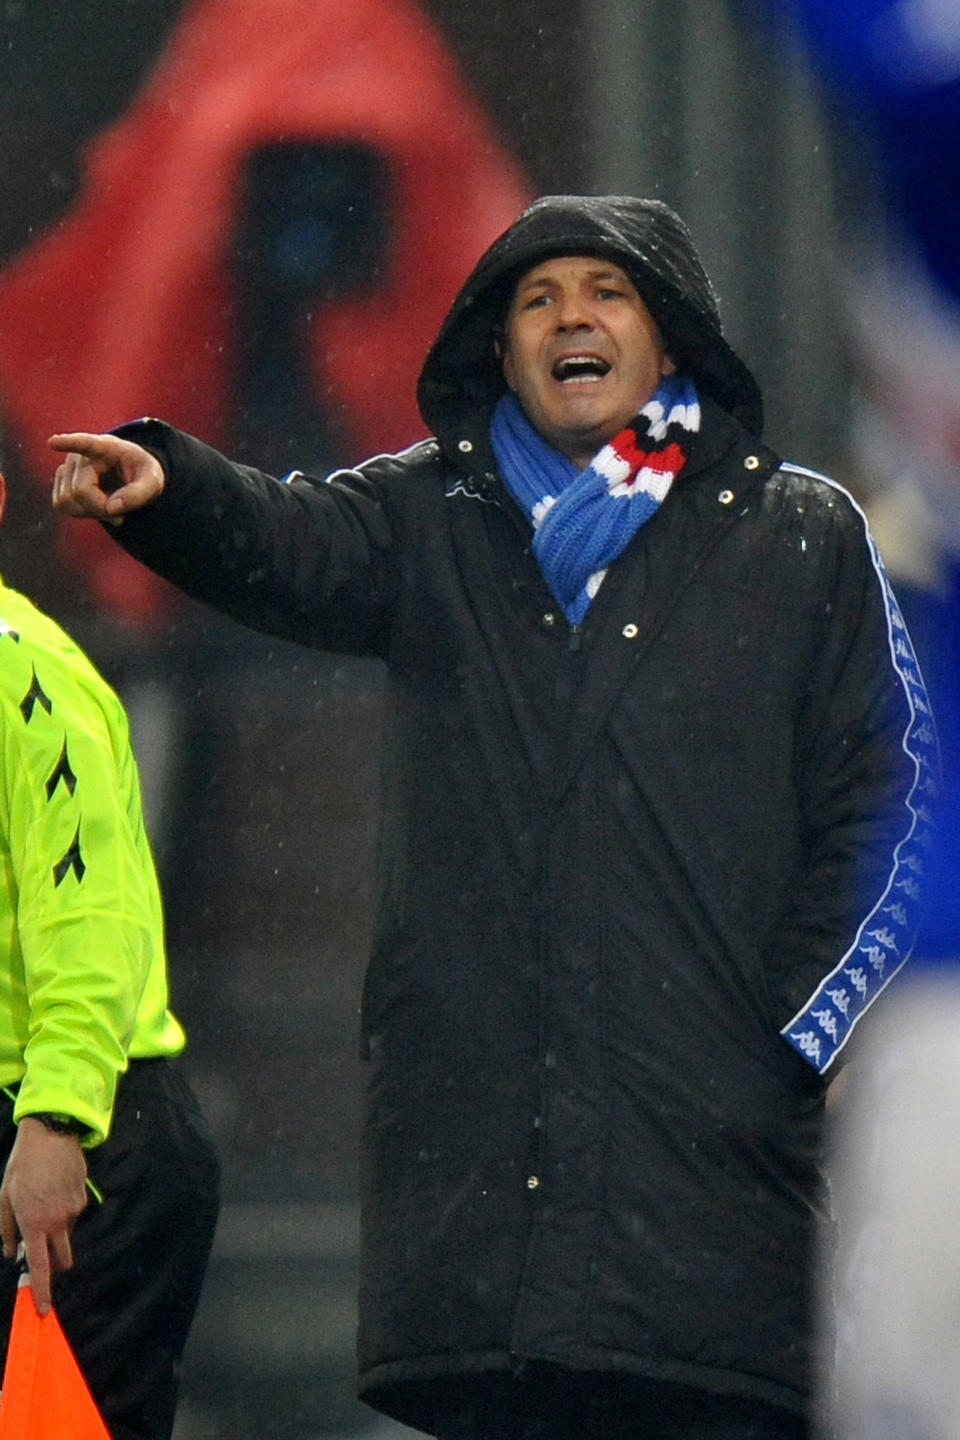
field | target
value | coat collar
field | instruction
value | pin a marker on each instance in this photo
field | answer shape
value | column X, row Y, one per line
column 466, row 448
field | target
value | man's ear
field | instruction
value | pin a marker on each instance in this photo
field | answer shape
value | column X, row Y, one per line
column 667, row 367
column 3, row 494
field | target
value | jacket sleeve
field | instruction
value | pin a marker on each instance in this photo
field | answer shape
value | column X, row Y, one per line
column 84, row 922
column 304, row 559
column 868, row 768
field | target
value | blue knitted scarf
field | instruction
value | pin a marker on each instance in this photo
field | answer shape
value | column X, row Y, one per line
column 583, row 519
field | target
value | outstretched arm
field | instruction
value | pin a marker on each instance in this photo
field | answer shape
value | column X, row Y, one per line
column 103, row 476
column 307, row 559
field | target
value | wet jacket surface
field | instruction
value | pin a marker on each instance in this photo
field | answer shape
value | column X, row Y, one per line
column 614, row 866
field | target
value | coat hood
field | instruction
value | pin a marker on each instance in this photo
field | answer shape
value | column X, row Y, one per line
column 646, row 239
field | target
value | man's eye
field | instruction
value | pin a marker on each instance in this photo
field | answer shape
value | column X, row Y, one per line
column 536, row 301
column 605, row 293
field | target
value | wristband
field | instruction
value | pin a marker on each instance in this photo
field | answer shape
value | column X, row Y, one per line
column 59, row 1124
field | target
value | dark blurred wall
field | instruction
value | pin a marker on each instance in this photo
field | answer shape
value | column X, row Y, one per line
column 66, row 71
column 714, row 107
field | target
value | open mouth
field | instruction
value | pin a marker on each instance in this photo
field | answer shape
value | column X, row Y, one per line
column 580, row 367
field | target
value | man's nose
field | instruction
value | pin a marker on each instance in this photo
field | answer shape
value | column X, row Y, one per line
column 573, row 312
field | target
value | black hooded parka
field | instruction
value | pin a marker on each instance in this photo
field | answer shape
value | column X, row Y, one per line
column 638, row 880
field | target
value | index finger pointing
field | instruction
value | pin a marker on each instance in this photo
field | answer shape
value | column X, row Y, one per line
column 94, row 447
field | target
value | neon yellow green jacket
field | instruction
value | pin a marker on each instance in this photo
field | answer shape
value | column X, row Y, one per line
column 83, row 983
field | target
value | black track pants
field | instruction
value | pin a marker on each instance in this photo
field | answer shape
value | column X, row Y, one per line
column 140, row 1254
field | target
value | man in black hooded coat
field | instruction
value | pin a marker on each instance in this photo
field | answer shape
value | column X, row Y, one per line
column 655, row 807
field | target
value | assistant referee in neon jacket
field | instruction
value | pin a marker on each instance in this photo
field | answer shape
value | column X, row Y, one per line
column 110, row 1180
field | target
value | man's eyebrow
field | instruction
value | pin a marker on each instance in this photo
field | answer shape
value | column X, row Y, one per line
column 529, row 282
column 602, row 272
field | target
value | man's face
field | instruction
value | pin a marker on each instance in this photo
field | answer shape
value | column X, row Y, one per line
column 581, row 352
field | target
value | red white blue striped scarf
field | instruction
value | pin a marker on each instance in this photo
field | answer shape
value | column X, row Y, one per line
column 583, row 519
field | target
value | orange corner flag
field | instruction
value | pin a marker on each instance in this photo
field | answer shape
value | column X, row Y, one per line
column 44, row 1395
